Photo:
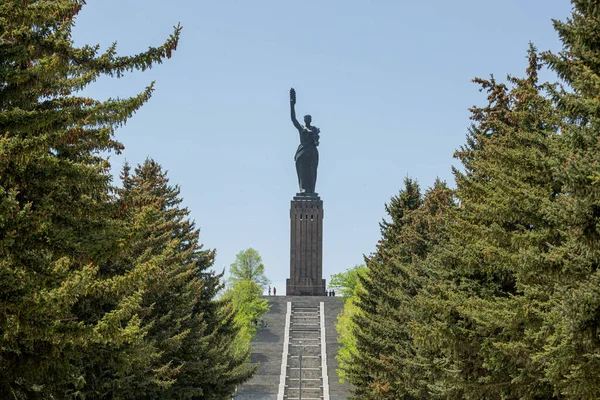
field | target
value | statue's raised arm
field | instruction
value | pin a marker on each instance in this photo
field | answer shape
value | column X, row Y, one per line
column 293, row 109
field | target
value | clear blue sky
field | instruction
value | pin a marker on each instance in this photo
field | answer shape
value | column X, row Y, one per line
column 388, row 82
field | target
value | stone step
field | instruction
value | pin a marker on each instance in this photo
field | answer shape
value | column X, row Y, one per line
column 294, row 392
column 306, row 383
column 308, row 374
column 305, row 364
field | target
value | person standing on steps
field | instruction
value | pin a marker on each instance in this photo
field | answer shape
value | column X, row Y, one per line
column 269, row 290
column 274, row 291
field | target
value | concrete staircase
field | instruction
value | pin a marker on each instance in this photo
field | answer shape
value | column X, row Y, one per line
column 304, row 373
column 278, row 375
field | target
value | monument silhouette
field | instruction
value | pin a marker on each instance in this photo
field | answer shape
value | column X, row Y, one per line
column 306, row 215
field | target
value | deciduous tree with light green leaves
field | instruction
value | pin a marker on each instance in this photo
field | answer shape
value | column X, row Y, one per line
column 247, row 283
column 348, row 284
column 248, row 266
column 249, row 306
column 345, row 282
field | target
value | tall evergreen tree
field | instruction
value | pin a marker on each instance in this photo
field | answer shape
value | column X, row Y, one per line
column 519, row 314
column 416, row 368
column 572, row 342
column 372, row 331
column 378, row 367
column 495, row 272
column 193, row 333
column 505, row 303
column 56, row 230
column 463, row 312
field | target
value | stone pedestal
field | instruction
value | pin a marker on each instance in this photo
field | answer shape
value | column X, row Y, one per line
column 306, row 246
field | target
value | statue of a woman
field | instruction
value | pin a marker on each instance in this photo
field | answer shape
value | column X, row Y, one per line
column 307, row 155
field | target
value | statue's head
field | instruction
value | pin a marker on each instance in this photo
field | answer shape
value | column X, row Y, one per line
column 307, row 119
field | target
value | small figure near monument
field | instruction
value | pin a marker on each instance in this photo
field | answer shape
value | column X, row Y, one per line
column 269, row 290
column 274, row 291
column 307, row 155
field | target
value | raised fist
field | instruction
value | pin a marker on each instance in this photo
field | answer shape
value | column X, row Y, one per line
column 292, row 96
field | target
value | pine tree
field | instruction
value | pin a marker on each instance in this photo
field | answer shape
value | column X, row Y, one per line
column 193, row 333
column 456, row 305
column 415, row 366
column 381, row 367
column 572, row 324
column 495, row 272
column 56, row 230
column 504, row 303
column 371, row 330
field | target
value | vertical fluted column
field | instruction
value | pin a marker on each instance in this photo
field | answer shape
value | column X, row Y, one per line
column 306, row 246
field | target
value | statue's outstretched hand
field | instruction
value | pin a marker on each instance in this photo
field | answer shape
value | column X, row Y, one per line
column 292, row 96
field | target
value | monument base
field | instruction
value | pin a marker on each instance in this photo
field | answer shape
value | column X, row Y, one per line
column 305, row 288
column 307, row 196
column 306, row 246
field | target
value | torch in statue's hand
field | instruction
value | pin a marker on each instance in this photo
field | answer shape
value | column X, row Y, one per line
column 292, row 96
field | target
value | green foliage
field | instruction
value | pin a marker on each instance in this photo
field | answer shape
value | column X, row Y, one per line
column 572, row 323
column 497, row 297
column 465, row 289
column 102, row 296
column 496, row 269
column 249, row 306
column 348, row 284
column 248, row 266
column 192, row 335
column 345, row 282
column 58, row 293
column 247, row 283
column 381, row 364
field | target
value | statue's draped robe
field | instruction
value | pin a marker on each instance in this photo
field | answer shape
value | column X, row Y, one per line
column 307, row 159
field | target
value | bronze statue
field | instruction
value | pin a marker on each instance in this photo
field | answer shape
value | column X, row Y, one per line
column 307, row 155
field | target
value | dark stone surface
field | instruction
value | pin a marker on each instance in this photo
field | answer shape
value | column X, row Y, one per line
column 267, row 346
column 308, row 195
column 307, row 155
column 306, row 247
column 266, row 350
